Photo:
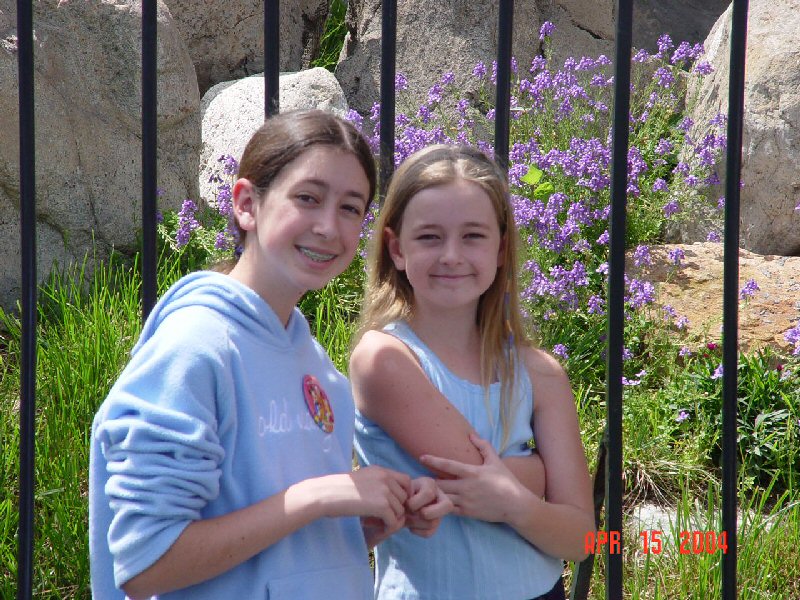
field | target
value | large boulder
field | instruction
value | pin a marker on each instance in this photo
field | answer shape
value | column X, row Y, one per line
column 233, row 110
column 88, row 130
column 682, row 20
column 694, row 290
column 226, row 37
column 770, row 160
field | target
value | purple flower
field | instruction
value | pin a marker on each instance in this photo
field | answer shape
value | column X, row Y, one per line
column 682, row 322
column 682, row 416
column 479, row 71
column 659, row 185
column 670, row 208
column 603, row 239
column 676, row 255
column 717, row 373
column 230, row 166
column 664, row 44
column 641, row 56
column 595, row 305
column 749, row 289
column 713, row 236
column 703, row 68
column 448, row 78
column 669, row 312
column 546, row 30
column 793, row 337
column 641, row 256
column 641, row 293
column 721, row 202
column 561, row 350
column 355, row 118
column 684, row 351
column 400, row 82
column 186, row 222
column 686, row 124
column 664, row 77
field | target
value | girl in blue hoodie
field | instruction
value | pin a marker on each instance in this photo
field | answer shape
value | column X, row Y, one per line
column 221, row 459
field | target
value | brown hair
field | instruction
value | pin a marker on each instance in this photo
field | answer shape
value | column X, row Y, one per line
column 389, row 295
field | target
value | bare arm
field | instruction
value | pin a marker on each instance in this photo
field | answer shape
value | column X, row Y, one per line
column 210, row 547
column 391, row 389
column 559, row 525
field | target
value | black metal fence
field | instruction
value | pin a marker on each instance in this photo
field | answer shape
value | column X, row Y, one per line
column 612, row 444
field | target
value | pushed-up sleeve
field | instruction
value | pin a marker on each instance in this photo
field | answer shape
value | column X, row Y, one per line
column 157, row 432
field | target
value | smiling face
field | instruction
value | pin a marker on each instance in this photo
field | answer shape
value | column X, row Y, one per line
column 305, row 229
column 449, row 245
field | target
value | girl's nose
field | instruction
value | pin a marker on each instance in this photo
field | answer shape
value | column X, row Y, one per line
column 326, row 224
column 451, row 252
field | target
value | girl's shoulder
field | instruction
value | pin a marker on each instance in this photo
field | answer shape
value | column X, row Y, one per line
column 548, row 377
column 379, row 351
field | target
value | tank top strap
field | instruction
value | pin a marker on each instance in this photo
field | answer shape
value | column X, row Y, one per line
column 434, row 368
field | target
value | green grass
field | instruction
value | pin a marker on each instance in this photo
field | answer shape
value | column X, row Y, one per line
column 87, row 329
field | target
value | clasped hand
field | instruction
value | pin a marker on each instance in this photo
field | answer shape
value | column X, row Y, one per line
column 419, row 505
column 488, row 492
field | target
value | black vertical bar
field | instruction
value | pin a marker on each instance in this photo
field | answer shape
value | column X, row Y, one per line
column 271, row 58
column 730, row 319
column 27, row 209
column 388, row 52
column 149, row 153
column 502, row 107
column 616, row 302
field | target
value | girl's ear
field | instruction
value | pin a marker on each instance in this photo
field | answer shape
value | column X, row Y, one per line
column 244, row 204
column 393, row 246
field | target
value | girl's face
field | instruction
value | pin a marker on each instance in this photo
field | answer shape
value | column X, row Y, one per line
column 305, row 230
column 449, row 245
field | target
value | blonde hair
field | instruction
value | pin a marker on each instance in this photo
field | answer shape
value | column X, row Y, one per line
column 389, row 295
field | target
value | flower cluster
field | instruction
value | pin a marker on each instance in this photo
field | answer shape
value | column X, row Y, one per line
column 559, row 163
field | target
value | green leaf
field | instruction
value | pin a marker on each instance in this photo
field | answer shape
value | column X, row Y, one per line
column 533, row 175
column 544, row 190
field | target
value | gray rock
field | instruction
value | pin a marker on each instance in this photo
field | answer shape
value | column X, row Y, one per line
column 88, row 130
column 770, row 160
column 683, row 20
column 233, row 110
column 226, row 37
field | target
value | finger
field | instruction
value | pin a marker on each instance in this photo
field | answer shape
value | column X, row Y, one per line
column 451, row 486
column 445, row 465
column 427, row 493
column 437, row 510
column 398, row 490
column 483, row 446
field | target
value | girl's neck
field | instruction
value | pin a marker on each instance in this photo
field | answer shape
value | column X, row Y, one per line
column 247, row 272
column 448, row 331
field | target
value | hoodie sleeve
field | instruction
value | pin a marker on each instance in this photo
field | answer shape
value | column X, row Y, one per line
column 158, row 436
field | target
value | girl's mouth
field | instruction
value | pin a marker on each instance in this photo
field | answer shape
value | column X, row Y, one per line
column 316, row 256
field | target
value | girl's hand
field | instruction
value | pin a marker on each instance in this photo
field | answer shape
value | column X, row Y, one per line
column 368, row 492
column 489, row 492
column 426, row 506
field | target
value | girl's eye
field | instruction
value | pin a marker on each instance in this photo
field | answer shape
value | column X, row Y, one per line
column 306, row 198
column 475, row 236
column 427, row 237
column 353, row 208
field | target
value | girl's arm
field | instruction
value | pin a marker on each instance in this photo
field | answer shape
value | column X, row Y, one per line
column 558, row 525
column 391, row 389
column 209, row 547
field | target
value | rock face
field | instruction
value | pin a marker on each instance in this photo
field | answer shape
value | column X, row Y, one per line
column 226, row 37
column 683, row 20
column 770, row 161
column 88, row 129
column 432, row 38
column 695, row 290
column 232, row 111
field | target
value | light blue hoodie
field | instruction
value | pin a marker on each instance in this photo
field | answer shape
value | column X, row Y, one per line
column 210, row 417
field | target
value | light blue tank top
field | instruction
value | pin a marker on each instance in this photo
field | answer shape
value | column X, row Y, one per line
column 466, row 558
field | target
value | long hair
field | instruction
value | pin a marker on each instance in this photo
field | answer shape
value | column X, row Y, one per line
column 284, row 137
column 389, row 295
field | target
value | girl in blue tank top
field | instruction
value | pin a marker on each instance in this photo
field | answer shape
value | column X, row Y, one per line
column 445, row 382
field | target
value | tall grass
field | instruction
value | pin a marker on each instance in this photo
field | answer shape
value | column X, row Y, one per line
column 85, row 332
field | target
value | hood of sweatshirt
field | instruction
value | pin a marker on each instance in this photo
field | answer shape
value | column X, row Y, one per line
column 234, row 301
